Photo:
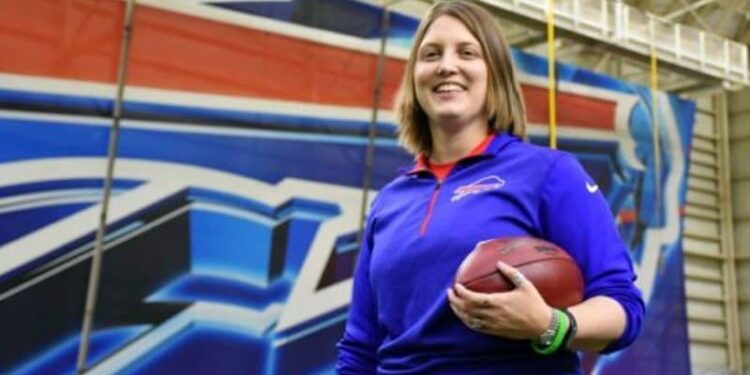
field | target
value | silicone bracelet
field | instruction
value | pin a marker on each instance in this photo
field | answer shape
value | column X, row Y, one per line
column 571, row 331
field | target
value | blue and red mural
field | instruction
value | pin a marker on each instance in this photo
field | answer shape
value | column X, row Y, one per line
column 232, row 233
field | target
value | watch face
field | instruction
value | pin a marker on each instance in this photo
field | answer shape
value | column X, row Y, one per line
column 547, row 336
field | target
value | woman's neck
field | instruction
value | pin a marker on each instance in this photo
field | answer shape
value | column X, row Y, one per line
column 451, row 143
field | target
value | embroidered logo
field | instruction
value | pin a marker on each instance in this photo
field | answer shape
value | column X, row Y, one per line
column 592, row 188
column 483, row 184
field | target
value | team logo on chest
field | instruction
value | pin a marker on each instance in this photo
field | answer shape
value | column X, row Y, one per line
column 483, row 184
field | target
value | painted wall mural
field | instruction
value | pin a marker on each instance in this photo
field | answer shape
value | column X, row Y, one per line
column 231, row 238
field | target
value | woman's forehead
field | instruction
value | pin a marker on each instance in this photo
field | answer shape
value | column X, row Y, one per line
column 448, row 30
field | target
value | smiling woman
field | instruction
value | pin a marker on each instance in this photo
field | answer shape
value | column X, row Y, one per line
column 460, row 112
column 450, row 76
column 468, row 50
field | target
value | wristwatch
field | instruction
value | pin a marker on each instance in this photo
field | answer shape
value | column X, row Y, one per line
column 548, row 335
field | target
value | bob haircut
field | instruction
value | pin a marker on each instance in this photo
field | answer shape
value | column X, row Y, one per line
column 504, row 104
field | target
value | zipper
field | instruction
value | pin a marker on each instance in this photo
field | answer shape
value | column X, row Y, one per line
column 433, row 199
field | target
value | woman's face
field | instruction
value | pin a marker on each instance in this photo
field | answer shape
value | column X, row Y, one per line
column 450, row 74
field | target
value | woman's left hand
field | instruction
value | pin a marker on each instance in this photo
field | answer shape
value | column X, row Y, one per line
column 517, row 314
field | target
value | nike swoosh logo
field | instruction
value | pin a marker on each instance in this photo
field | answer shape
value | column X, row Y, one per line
column 592, row 188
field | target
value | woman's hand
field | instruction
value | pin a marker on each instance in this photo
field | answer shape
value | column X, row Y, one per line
column 518, row 314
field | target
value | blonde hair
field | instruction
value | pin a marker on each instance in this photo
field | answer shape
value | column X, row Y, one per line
column 504, row 105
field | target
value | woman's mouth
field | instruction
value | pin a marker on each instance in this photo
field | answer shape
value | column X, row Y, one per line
column 448, row 87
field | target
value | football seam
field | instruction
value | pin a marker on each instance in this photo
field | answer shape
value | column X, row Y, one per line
column 517, row 266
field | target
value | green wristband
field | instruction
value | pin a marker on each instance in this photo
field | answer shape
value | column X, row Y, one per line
column 563, row 326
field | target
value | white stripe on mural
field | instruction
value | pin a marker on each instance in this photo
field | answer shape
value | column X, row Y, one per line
column 164, row 179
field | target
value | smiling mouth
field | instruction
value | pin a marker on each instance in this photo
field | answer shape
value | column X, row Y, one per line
column 448, row 87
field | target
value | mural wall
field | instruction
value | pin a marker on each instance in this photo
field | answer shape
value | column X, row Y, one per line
column 231, row 235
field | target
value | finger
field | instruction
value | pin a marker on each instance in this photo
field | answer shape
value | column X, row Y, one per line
column 466, row 294
column 473, row 299
column 456, row 305
column 453, row 298
column 514, row 275
column 456, row 311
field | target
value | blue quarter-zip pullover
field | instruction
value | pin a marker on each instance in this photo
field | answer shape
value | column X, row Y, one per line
column 418, row 232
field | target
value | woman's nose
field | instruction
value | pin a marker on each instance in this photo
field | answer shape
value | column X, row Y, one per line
column 447, row 65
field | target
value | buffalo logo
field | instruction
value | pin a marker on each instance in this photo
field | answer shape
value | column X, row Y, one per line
column 484, row 184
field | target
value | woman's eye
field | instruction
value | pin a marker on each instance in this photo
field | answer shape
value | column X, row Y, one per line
column 427, row 55
column 469, row 53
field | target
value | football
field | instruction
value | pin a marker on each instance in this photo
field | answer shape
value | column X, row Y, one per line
column 551, row 269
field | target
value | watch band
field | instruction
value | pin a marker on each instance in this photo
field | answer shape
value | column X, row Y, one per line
column 561, row 331
column 549, row 334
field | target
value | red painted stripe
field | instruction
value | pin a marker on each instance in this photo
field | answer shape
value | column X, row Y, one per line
column 627, row 216
column 573, row 109
column 61, row 39
column 80, row 40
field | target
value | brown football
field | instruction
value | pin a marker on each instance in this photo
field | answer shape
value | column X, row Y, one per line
column 552, row 271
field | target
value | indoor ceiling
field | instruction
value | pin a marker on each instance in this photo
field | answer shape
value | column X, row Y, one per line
column 728, row 18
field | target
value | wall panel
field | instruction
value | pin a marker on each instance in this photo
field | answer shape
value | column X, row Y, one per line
column 739, row 131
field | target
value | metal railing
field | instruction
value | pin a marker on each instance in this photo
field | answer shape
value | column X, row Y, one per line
column 627, row 27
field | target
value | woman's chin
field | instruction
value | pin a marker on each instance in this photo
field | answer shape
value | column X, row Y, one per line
column 449, row 114
column 452, row 117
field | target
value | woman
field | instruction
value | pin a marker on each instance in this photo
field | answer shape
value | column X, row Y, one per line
column 460, row 111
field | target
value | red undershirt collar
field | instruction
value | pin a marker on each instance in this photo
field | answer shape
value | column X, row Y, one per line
column 442, row 170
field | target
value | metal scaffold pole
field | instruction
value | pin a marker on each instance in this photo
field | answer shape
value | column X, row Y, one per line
column 96, row 260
